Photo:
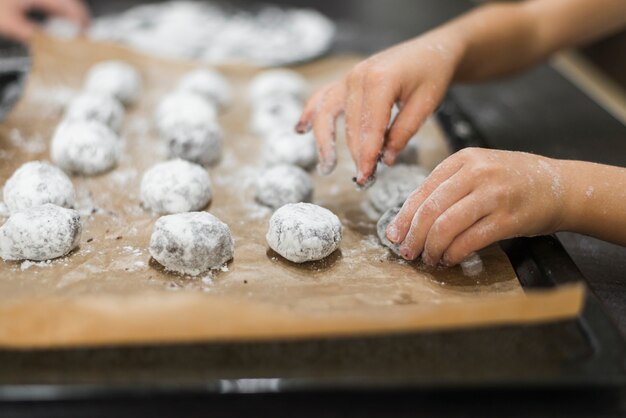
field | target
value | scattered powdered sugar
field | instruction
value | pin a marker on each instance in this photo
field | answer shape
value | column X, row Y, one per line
column 25, row 265
column 209, row 32
column 33, row 145
column 472, row 266
column 589, row 192
column 557, row 188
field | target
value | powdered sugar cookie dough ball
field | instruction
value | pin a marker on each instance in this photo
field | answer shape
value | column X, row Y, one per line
column 85, row 147
column 37, row 183
column 288, row 147
column 275, row 114
column 394, row 185
column 175, row 186
column 381, row 229
column 200, row 144
column 96, row 107
column 280, row 82
column 185, row 109
column 209, row 84
column 283, row 184
column 303, row 232
column 40, row 233
column 191, row 243
column 117, row 79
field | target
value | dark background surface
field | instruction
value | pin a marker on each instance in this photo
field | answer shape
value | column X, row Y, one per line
column 538, row 112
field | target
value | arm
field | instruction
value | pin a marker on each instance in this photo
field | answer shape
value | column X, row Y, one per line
column 492, row 40
column 477, row 197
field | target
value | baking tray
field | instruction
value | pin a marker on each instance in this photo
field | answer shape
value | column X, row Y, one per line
column 587, row 352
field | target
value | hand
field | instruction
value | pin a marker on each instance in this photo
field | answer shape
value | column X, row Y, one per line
column 477, row 197
column 14, row 22
column 414, row 75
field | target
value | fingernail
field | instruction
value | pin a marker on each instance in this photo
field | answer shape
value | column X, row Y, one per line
column 427, row 260
column 362, row 182
column 406, row 253
column 392, row 233
column 446, row 261
column 326, row 166
column 389, row 157
column 303, row 127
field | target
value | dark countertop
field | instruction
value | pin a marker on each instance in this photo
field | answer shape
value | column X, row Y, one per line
column 539, row 112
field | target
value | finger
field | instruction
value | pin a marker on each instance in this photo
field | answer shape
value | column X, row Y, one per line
column 452, row 223
column 18, row 27
column 354, row 100
column 305, row 123
column 410, row 118
column 448, row 193
column 480, row 235
column 399, row 227
column 378, row 99
column 73, row 10
column 324, row 128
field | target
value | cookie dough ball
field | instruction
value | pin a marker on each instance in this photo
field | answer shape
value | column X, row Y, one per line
column 200, row 144
column 85, row 147
column 116, row 79
column 280, row 82
column 284, row 184
column 40, row 233
column 191, row 243
column 303, row 232
column 394, row 185
column 288, row 147
column 209, row 84
column 275, row 114
column 381, row 228
column 184, row 109
column 175, row 186
column 96, row 107
column 37, row 183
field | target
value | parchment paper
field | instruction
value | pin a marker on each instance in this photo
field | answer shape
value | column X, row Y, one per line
column 109, row 291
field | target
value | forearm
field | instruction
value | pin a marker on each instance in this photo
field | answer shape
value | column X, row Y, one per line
column 594, row 200
column 502, row 38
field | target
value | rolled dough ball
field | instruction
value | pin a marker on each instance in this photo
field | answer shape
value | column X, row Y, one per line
column 117, row 79
column 209, row 84
column 37, row 183
column 40, row 233
column 175, row 186
column 288, row 147
column 381, row 228
column 275, row 114
column 394, row 185
column 85, row 147
column 184, row 109
column 201, row 144
column 303, row 232
column 191, row 243
column 279, row 82
column 97, row 107
column 283, row 184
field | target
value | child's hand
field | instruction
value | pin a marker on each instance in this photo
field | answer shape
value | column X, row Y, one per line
column 477, row 197
column 415, row 75
column 14, row 22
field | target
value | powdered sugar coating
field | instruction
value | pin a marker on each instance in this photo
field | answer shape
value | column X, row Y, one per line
column 303, row 232
column 394, row 185
column 277, row 113
column 288, row 147
column 282, row 83
column 85, row 147
column 191, row 243
column 209, row 84
column 175, row 186
column 97, row 107
column 36, row 183
column 472, row 265
column 40, row 233
column 283, row 184
column 381, row 229
column 199, row 144
column 184, row 109
column 116, row 79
